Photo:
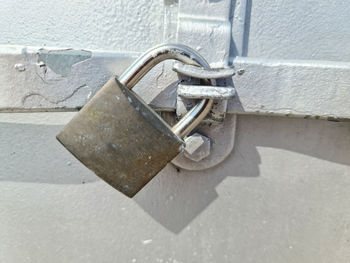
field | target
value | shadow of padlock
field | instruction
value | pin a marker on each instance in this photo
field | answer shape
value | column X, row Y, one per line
column 119, row 137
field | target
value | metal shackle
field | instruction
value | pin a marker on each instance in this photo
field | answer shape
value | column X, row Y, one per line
column 162, row 52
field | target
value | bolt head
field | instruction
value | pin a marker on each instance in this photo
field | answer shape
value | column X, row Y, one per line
column 197, row 147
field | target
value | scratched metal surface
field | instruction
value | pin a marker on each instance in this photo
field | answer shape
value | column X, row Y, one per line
column 118, row 137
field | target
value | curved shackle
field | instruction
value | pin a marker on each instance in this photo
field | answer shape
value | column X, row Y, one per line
column 158, row 54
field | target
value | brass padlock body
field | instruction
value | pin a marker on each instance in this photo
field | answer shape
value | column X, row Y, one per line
column 119, row 137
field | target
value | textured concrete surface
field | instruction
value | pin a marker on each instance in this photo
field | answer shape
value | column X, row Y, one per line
column 281, row 196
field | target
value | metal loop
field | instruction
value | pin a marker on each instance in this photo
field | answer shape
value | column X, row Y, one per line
column 158, row 54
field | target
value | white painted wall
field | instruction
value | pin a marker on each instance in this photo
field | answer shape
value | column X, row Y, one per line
column 118, row 25
column 281, row 196
column 286, row 29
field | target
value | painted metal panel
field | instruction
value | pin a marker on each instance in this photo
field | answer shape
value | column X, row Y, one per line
column 280, row 196
column 61, row 79
column 286, row 29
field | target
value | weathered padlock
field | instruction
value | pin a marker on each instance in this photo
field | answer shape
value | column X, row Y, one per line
column 119, row 137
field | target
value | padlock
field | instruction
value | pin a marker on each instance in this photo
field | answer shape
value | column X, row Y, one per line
column 119, row 137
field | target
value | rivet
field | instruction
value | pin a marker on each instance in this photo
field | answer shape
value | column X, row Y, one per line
column 240, row 71
column 20, row 67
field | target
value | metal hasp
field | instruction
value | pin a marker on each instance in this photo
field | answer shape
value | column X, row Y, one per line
column 119, row 137
column 200, row 73
column 204, row 92
column 214, row 138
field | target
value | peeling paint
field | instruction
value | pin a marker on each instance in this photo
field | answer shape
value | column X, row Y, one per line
column 25, row 98
column 61, row 61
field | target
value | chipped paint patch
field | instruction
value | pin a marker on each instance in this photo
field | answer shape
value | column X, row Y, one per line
column 61, row 61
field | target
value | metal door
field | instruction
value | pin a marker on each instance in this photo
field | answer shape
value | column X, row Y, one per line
column 281, row 195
